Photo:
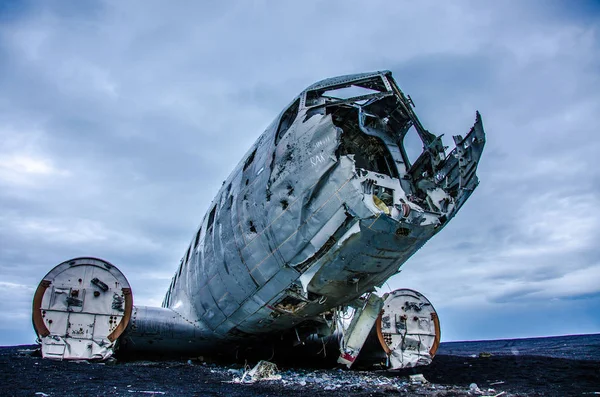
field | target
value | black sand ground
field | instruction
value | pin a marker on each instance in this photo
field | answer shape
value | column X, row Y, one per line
column 528, row 375
column 24, row 374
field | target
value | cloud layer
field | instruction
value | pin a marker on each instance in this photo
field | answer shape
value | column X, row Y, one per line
column 120, row 120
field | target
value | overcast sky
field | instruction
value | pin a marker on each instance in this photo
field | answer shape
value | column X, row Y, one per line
column 120, row 120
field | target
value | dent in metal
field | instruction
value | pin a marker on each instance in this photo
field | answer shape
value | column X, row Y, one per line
column 325, row 206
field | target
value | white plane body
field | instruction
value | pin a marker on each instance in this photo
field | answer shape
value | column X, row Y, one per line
column 324, row 207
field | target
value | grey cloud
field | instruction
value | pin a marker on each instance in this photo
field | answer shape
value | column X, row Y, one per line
column 515, row 295
column 140, row 110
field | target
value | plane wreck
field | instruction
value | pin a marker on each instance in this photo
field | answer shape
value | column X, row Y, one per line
column 323, row 208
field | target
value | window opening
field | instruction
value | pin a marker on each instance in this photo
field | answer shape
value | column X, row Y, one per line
column 197, row 237
column 369, row 86
column 249, row 160
column 412, row 145
column 211, row 217
column 287, row 119
column 348, row 92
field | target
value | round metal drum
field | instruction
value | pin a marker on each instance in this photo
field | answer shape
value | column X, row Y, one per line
column 80, row 308
column 408, row 329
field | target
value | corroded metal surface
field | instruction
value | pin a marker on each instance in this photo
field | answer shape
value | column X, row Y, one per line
column 359, row 329
column 324, row 207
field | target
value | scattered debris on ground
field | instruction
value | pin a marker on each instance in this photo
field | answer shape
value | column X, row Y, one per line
column 417, row 379
column 343, row 380
column 496, row 376
column 264, row 370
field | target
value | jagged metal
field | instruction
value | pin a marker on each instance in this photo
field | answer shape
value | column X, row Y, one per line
column 297, row 228
column 325, row 206
column 358, row 331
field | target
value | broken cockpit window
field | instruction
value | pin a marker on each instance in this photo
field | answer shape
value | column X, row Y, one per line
column 412, row 146
column 345, row 102
column 360, row 91
column 347, row 92
column 370, row 153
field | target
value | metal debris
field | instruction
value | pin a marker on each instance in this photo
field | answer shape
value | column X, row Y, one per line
column 331, row 380
column 474, row 388
column 362, row 322
column 264, row 370
column 325, row 206
column 418, row 378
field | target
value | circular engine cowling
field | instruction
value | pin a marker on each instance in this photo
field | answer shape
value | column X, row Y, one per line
column 80, row 308
column 408, row 329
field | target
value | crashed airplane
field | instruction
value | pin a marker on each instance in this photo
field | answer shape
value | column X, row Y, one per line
column 324, row 207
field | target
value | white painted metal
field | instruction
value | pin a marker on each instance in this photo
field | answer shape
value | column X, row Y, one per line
column 325, row 206
column 409, row 329
column 362, row 322
column 83, row 303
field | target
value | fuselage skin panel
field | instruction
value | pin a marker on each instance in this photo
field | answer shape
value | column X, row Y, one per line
column 324, row 207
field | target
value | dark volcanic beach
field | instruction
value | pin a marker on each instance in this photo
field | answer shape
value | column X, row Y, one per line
column 462, row 373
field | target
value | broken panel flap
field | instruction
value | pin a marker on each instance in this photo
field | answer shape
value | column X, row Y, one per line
column 355, row 336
